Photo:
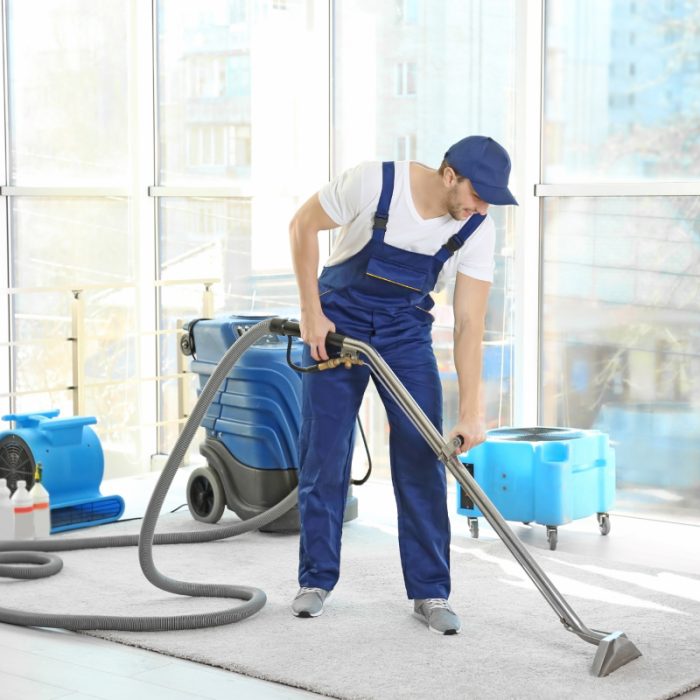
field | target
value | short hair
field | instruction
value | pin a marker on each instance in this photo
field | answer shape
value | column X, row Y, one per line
column 445, row 164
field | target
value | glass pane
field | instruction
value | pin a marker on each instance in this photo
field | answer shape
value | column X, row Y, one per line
column 68, row 65
column 622, row 81
column 210, row 239
column 407, row 114
column 60, row 245
column 621, row 347
column 391, row 73
column 120, row 428
column 173, row 393
column 179, row 303
column 42, row 353
column 215, row 72
column 70, row 242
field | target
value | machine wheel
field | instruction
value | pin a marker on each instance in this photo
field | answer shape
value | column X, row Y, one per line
column 604, row 523
column 185, row 345
column 552, row 536
column 205, row 495
column 474, row 527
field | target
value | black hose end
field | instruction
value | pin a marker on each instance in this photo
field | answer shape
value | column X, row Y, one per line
column 283, row 326
column 336, row 339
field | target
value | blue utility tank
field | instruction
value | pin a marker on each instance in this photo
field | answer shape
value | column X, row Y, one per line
column 545, row 475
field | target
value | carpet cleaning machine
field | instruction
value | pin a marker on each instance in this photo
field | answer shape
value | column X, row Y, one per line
column 252, row 425
column 613, row 649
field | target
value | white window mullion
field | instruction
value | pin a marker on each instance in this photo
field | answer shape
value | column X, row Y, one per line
column 141, row 100
column 652, row 188
column 5, row 355
column 527, row 170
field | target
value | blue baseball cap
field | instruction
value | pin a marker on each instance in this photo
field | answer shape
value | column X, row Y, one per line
column 487, row 166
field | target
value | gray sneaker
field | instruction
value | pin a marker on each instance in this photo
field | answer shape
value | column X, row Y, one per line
column 438, row 614
column 308, row 602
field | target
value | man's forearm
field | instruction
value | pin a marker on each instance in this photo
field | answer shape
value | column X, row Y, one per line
column 468, row 360
column 303, row 239
column 305, row 256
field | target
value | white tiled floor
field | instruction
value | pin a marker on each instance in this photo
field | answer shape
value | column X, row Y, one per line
column 46, row 664
column 42, row 664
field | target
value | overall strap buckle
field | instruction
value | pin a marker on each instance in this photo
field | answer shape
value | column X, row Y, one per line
column 453, row 243
column 380, row 221
column 457, row 240
column 381, row 216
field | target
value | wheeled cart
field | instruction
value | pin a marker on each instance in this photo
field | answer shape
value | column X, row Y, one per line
column 549, row 476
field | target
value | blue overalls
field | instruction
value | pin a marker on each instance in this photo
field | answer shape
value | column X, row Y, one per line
column 381, row 296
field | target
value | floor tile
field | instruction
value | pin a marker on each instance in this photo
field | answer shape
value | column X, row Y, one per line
column 215, row 684
column 12, row 687
column 76, row 678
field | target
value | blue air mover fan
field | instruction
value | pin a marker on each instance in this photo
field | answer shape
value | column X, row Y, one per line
column 72, row 466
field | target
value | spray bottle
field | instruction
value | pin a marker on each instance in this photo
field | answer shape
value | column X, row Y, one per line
column 24, row 512
column 40, row 499
column 7, row 513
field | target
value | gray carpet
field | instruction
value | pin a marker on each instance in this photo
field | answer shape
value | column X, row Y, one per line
column 368, row 645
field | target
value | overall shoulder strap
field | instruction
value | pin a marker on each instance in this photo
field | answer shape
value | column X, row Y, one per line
column 381, row 216
column 455, row 242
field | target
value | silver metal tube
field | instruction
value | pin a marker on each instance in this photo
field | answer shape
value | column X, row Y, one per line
column 445, row 452
column 78, row 351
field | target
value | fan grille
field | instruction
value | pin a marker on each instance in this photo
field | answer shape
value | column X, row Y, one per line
column 16, row 461
column 101, row 510
column 537, row 434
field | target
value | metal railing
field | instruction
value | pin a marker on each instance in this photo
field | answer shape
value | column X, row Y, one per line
column 77, row 383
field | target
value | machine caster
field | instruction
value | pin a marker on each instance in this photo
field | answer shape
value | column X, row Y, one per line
column 604, row 523
column 474, row 527
column 205, row 495
column 552, row 536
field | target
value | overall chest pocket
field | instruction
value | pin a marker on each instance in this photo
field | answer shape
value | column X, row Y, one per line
column 396, row 276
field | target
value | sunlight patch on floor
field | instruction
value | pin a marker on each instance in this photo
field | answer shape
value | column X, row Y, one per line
column 564, row 584
column 664, row 582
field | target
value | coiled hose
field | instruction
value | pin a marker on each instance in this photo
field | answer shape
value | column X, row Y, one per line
column 14, row 553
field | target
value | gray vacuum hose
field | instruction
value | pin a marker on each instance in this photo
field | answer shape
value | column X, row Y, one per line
column 33, row 552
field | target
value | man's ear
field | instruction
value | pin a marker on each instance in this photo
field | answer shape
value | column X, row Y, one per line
column 449, row 176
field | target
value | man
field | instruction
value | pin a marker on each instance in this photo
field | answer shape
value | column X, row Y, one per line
column 406, row 229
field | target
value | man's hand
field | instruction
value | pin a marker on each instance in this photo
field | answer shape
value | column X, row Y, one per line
column 472, row 431
column 314, row 328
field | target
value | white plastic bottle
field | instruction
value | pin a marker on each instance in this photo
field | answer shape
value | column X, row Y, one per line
column 7, row 513
column 40, row 499
column 24, row 512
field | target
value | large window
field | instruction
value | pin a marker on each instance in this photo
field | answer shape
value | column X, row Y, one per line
column 401, row 94
column 68, row 71
column 69, row 130
column 124, row 232
column 155, row 153
column 620, row 349
column 242, row 141
column 622, row 91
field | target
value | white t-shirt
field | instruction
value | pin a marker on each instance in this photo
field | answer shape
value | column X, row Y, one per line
column 351, row 201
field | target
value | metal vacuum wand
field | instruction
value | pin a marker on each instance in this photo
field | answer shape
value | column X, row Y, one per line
column 614, row 648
